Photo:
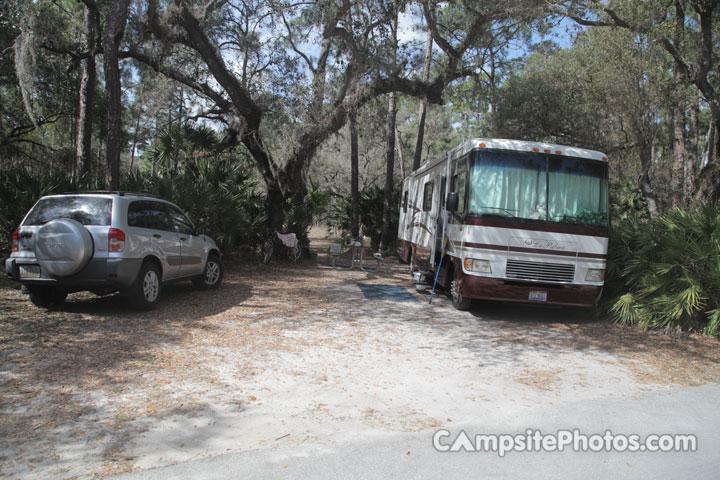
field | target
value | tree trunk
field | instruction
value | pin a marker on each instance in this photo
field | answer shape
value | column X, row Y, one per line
column 354, row 173
column 678, row 149
column 274, row 203
column 493, row 82
column 678, row 169
column 386, row 238
column 710, row 145
column 708, row 181
column 708, row 184
column 387, row 235
column 275, row 195
column 692, row 154
column 134, row 144
column 417, row 157
column 114, row 31
column 401, row 158
column 646, row 159
column 83, row 145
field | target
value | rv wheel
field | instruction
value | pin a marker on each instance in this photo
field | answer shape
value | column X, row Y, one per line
column 458, row 301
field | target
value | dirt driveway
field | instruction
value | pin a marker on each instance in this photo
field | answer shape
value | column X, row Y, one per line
column 294, row 354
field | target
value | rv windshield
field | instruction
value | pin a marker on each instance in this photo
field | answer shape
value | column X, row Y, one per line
column 538, row 187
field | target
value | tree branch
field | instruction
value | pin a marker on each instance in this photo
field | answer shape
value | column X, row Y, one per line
column 199, row 41
column 431, row 20
column 169, row 72
column 290, row 40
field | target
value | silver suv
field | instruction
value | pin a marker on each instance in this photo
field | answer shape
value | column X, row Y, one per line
column 106, row 242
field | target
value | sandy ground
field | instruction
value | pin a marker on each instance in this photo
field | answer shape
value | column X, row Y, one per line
column 295, row 354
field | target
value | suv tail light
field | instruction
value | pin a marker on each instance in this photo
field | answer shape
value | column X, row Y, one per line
column 116, row 240
column 15, row 240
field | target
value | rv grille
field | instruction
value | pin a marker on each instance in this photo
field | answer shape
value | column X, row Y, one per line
column 541, row 272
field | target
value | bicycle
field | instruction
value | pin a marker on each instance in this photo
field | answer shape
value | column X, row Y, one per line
column 355, row 257
column 285, row 245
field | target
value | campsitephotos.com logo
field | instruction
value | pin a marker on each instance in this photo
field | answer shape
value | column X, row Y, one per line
column 536, row 441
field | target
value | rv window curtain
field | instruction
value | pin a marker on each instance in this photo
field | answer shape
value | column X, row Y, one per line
column 538, row 187
column 506, row 185
column 576, row 190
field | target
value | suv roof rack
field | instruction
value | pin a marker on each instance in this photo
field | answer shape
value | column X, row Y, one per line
column 121, row 193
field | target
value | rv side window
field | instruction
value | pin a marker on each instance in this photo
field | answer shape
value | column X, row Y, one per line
column 427, row 197
column 459, row 185
column 405, row 201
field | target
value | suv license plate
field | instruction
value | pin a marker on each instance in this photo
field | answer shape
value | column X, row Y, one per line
column 29, row 271
column 538, row 296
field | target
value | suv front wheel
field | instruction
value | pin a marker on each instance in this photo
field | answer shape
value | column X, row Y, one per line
column 145, row 294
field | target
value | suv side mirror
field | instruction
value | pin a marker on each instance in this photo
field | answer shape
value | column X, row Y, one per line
column 199, row 231
column 451, row 205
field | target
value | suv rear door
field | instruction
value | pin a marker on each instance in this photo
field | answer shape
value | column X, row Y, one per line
column 150, row 226
column 94, row 212
column 192, row 246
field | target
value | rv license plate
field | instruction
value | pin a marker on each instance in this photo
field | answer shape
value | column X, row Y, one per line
column 538, row 296
column 29, row 271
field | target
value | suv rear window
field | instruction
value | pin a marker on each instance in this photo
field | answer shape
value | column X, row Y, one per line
column 86, row 210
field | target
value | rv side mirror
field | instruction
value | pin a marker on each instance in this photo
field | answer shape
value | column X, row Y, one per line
column 451, row 205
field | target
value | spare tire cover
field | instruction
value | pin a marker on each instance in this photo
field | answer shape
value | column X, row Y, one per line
column 63, row 247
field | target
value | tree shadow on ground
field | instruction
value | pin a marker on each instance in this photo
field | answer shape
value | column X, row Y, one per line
column 503, row 333
column 51, row 360
column 72, row 363
column 584, row 330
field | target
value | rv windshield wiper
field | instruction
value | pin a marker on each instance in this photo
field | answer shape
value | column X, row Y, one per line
column 504, row 210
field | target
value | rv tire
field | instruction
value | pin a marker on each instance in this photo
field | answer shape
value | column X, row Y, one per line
column 458, row 301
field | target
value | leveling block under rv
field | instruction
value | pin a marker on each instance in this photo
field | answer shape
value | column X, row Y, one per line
column 520, row 221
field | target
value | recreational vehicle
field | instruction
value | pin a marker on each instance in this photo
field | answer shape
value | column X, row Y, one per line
column 508, row 220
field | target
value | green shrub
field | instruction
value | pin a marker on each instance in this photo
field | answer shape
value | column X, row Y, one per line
column 665, row 273
column 299, row 217
column 218, row 195
column 19, row 190
column 626, row 200
column 370, row 209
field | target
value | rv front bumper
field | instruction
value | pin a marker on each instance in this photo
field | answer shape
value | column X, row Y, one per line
column 485, row 288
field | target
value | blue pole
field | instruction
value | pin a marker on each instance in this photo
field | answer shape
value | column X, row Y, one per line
column 436, row 277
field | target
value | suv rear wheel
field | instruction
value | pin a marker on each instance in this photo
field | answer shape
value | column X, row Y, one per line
column 145, row 294
column 44, row 296
column 212, row 274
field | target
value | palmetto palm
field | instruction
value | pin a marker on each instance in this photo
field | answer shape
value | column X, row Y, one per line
column 665, row 273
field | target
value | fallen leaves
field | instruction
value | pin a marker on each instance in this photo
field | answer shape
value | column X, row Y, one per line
column 541, row 380
column 97, row 374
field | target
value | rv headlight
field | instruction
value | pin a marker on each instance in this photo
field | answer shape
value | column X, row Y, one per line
column 476, row 265
column 595, row 275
